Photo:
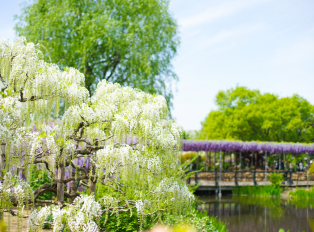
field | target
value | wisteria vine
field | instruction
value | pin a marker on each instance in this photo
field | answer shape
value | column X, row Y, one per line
column 224, row 145
column 118, row 143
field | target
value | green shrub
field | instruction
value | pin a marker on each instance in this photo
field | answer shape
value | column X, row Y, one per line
column 268, row 190
column 311, row 169
column 276, row 179
column 124, row 222
column 198, row 220
column 303, row 194
column 37, row 178
column 49, row 219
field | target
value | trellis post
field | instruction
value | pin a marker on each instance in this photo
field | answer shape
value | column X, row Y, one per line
column 219, row 194
column 240, row 165
column 265, row 167
column 307, row 168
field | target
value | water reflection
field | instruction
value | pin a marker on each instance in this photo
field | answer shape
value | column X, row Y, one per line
column 251, row 214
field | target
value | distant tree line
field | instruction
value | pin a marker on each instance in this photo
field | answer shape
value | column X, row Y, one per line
column 249, row 115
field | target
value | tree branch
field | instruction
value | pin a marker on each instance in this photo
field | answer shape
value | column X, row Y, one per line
column 4, row 83
column 32, row 98
column 51, row 187
column 78, row 168
column 115, row 64
column 75, row 178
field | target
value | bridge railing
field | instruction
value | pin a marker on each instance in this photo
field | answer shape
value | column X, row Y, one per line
column 253, row 176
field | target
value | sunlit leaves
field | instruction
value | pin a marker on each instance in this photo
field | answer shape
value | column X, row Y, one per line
column 249, row 115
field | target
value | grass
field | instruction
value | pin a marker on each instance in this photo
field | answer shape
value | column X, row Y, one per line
column 263, row 191
column 302, row 198
column 303, row 194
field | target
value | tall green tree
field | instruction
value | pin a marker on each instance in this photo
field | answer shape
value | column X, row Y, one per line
column 248, row 115
column 130, row 42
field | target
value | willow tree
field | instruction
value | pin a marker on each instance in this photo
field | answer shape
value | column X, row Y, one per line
column 127, row 42
column 123, row 132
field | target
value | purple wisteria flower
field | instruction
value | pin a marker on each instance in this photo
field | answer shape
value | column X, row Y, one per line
column 228, row 146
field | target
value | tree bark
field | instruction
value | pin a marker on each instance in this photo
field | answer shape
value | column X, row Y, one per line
column 93, row 181
column 2, row 166
column 255, row 160
column 73, row 187
column 215, row 160
column 2, row 159
column 60, row 184
column 92, row 187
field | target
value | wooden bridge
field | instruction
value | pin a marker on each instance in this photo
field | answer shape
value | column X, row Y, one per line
column 227, row 180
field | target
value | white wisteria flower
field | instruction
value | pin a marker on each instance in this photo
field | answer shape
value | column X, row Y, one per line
column 119, row 139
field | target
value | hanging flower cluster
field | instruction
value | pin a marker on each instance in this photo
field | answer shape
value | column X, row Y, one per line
column 119, row 144
column 224, row 145
column 80, row 216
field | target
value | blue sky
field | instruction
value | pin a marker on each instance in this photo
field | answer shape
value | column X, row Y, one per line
column 262, row 44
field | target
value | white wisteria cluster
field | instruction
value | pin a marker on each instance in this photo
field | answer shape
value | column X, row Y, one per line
column 38, row 218
column 78, row 217
column 119, row 143
column 13, row 188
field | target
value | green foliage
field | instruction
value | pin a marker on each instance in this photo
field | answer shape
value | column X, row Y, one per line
column 248, row 115
column 3, row 227
column 186, row 156
column 302, row 198
column 37, row 178
column 276, row 179
column 49, row 219
column 311, row 169
column 126, row 42
column 199, row 220
column 191, row 134
column 125, row 221
column 265, row 191
column 303, row 194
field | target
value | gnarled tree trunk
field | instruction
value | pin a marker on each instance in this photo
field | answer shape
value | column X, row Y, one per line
column 60, row 184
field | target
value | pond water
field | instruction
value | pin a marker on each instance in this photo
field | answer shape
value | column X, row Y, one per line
column 253, row 214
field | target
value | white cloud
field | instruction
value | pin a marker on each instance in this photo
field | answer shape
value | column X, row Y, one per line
column 216, row 12
column 295, row 54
